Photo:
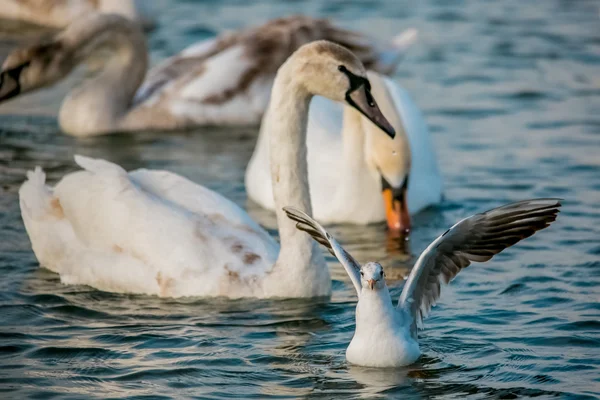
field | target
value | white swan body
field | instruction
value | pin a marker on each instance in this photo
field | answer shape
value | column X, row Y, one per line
column 149, row 232
column 157, row 233
column 386, row 335
column 114, row 231
column 345, row 178
column 225, row 80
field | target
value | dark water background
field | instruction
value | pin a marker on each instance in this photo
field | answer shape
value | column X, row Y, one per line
column 511, row 91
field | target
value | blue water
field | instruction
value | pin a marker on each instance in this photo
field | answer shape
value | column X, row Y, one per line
column 511, row 91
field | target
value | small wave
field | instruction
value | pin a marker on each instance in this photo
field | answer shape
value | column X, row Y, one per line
column 75, row 353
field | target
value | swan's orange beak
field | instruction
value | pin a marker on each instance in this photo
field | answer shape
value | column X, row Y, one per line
column 396, row 209
column 371, row 283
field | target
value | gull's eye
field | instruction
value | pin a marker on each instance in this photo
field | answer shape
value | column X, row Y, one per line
column 382, row 274
column 342, row 68
column 362, row 274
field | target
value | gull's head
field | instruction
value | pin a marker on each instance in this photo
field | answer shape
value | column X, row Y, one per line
column 372, row 276
column 330, row 70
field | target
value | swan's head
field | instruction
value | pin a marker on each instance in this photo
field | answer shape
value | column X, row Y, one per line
column 388, row 161
column 372, row 276
column 33, row 67
column 330, row 70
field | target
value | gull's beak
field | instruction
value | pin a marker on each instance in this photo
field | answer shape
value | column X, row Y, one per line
column 396, row 207
column 371, row 283
column 363, row 101
column 9, row 84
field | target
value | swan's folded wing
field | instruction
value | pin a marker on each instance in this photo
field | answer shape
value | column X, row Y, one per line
column 185, row 65
column 477, row 238
column 240, row 67
column 199, row 200
column 314, row 229
column 195, row 198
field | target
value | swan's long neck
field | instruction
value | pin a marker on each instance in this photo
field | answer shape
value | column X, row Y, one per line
column 100, row 104
column 286, row 129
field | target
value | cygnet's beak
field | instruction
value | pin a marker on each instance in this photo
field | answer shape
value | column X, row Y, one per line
column 9, row 84
column 371, row 283
column 396, row 207
column 363, row 101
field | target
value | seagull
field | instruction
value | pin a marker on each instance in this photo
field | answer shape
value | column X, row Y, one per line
column 386, row 335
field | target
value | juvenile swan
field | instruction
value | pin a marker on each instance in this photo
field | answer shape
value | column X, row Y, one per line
column 225, row 80
column 60, row 13
column 158, row 233
column 386, row 336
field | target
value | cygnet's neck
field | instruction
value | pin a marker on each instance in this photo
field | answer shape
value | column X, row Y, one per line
column 286, row 124
column 100, row 104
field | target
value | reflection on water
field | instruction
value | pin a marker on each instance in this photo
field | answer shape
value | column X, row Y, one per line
column 512, row 94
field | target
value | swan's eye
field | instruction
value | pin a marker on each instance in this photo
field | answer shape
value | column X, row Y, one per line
column 362, row 274
column 370, row 99
column 342, row 68
column 382, row 274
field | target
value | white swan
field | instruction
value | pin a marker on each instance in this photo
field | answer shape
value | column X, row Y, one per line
column 224, row 80
column 351, row 162
column 386, row 336
column 60, row 13
column 158, row 233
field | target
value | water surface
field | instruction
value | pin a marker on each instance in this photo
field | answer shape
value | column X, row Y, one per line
column 511, row 91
